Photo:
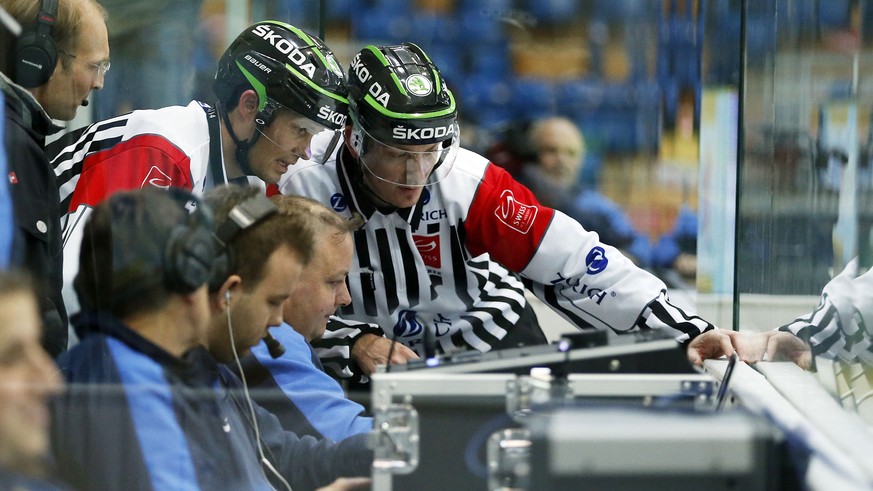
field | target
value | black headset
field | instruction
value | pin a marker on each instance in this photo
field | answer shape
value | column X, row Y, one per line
column 36, row 53
column 241, row 217
column 187, row 258
column 191, row 250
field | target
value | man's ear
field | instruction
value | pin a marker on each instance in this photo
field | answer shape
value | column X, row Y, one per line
column 249, row 103
column 231, row 288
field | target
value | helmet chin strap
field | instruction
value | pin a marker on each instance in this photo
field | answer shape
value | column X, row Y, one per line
column 242, row 147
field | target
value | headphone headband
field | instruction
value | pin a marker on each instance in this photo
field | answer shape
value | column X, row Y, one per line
column 244, row 215
column 241, row 217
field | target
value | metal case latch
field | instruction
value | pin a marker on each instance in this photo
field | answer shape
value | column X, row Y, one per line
column 395, row 439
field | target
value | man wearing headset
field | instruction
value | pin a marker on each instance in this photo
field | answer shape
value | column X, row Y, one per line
column 276, row 86
column 61, row 55
column 451, row 241
column 294, row 385
column 149, row 405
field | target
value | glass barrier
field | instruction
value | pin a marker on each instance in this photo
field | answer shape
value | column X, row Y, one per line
column 724, row 145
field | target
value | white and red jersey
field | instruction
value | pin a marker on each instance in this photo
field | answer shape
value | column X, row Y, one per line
column 457, row 262
column 167, row 147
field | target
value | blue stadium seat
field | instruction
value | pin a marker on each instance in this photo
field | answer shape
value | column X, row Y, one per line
column 488, row 59
column 580, row 96
column 553, row 11
column 447, row 58
column 398, row 6
column 438, row 28
column 339, row 10
column 481, row 26
column 533, row 98
column 834, row 14
column 381, row 26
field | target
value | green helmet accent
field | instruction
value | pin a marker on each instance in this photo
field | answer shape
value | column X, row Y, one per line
column 288, row 68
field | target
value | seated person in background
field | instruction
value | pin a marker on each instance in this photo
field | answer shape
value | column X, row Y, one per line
column 677, row 249
column 294, row 386
column 27, row 378
column 553, row 176
column 148, row 407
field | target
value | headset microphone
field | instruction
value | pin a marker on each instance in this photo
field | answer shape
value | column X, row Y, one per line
column 84, row 103
column 274, row 346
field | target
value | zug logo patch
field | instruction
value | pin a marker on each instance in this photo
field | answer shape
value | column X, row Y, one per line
column 571, row 288
column 429, row 248
column 515, row 214
column 338, row 202
column 407, row 325
column 596, row 260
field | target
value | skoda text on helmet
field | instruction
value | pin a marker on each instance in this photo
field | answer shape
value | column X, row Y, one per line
column 288, row 68
column 399, row 102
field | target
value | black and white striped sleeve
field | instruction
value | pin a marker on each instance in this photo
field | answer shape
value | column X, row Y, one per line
column 334, row 348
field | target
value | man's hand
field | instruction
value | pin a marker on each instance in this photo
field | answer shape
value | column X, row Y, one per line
column 348, row 483
column 750, row 347
column 714, row 343
column 773, row 346
column 371, row 350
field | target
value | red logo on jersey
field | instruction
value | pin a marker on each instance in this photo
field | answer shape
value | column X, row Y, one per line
column 13, row 179
column 429, row 248
column 157, row 178
column 515, row 214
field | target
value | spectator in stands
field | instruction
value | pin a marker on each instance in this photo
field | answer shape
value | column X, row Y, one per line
column 553, row 175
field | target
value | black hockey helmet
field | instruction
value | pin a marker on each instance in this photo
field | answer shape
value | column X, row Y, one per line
column 287, row 68
column 397, row 97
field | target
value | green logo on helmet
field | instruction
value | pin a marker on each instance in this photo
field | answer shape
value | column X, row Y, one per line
column 419, row 85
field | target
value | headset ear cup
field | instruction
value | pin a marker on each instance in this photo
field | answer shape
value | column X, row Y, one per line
column 36, row 54
column 35, row 59
column 188, row 259
column 221, row 268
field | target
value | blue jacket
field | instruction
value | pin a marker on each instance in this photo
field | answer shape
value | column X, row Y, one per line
column 295, row 388
column 135, row 417
column 15, row 481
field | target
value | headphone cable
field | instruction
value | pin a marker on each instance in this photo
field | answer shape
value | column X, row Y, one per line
column 242, row 376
